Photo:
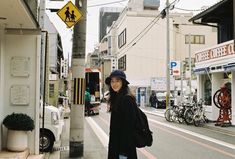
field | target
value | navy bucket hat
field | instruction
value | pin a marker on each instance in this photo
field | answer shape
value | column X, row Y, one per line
column 116, row 73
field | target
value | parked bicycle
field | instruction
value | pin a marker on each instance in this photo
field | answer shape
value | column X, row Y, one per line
column 199, row 117
column 176, row 113
column 171, row 114
column 189, row 113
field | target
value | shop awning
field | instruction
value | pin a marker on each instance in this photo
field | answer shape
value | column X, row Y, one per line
column 201, row 70
column 229, row 67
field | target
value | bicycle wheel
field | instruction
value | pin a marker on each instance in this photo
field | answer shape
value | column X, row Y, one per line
column 168, row 114
column 206, row 119
column 188, row 116
column 181, row 116
column 196, row 120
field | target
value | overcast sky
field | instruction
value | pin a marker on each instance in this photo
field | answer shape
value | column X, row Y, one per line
column 93, row 18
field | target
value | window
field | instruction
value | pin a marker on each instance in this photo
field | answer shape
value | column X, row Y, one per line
column 227, row 75
column 122, row 63
column 202, row 39
column 195, row 39
column 207, row 91
column 51, row 90
column 122, row 39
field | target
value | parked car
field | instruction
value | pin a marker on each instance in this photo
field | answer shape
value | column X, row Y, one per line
column 161, row 96
column 53, row 125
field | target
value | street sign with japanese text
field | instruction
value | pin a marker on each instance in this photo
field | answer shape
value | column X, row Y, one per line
column 160, row 83
column 69, row 14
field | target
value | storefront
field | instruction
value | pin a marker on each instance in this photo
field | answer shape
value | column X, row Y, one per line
column 215, row 67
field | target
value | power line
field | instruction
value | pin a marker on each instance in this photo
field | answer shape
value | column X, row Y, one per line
column 103, row 4
column 95, row 5
column 189, row 10
column 141, row 34
column 149, row 25
column 147, row 28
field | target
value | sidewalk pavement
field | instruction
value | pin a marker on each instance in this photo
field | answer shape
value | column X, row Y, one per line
column 93, row 149
column 211, row 125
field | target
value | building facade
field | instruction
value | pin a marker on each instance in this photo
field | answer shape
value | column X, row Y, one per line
column 138, row 41
column 107, row 16
column 20, row 46
column 215, row 67
column 55, row 72
column 23, row 47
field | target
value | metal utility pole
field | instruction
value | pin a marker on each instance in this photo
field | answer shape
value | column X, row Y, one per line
column 76, row 143
column 234, row 23
column 43, row 43
column 103, row 77
column 190, row 66
column 43, row 66
column 181, row 80
column 167, row 55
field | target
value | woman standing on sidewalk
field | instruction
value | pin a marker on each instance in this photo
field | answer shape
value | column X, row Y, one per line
column 123, row 117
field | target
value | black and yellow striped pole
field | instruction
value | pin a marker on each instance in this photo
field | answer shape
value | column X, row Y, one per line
column 76, row 143
column 79, row 89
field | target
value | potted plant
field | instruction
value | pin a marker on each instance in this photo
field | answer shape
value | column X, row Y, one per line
column 18, row 124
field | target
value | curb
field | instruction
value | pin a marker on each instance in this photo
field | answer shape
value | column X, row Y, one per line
column 208, row 125
column 221, row 129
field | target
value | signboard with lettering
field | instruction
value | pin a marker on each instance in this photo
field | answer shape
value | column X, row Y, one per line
column 19, row 95
column 221, row 50
column 159, row 84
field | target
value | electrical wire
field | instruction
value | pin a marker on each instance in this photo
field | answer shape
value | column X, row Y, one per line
column 190, row 10
column 149, row 25
column 103, row 4
column 140, row 35
column 145, row 30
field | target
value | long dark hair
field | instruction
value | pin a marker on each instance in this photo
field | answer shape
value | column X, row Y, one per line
column 115, row 97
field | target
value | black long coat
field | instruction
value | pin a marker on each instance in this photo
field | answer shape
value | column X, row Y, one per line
column 122, row 124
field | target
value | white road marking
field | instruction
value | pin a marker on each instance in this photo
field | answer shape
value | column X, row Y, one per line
column 99, row 132
column 219, row 142
column 103, row 137
column 154, row 113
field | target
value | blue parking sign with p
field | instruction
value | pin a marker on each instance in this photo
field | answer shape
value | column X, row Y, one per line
column 173, row 64
column 175, row 68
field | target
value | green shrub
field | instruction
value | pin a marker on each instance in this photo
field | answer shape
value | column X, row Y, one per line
column 19, row 121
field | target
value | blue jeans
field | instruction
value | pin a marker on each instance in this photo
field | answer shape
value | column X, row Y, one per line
column 122, row 157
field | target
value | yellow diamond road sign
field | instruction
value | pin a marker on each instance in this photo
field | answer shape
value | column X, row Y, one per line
column 69, row 14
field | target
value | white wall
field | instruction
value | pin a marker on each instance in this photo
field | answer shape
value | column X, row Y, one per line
column 182, row 49
column 148, row 53
column 27, row 46
column 147, row 58
column 52, row 44
column 1, row 79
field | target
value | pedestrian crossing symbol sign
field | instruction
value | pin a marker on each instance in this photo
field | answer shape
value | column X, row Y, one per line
column 69, row 14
